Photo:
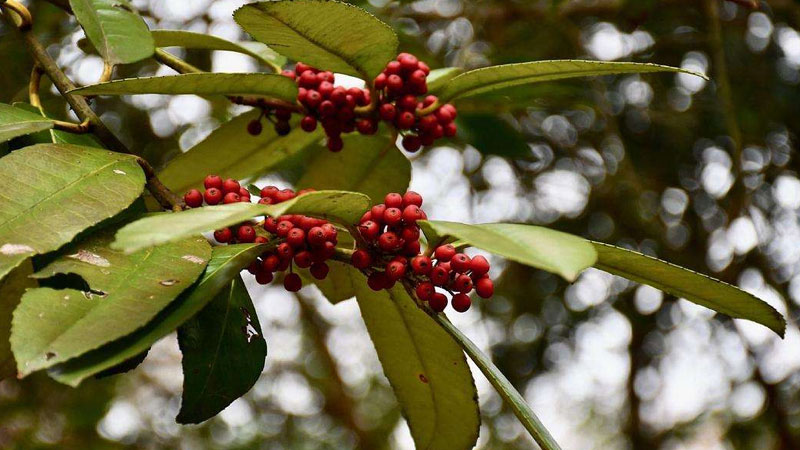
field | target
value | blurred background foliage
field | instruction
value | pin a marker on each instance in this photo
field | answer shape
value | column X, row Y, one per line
column 704, row 174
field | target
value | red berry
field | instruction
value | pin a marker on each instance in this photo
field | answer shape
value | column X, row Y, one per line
column 193, row 198
column 410, row 233
column 230, row 185
column 393, row 200
column 224, row 235
column 270, row 263
column 450, row 129
column 388, row 242
column 484, row 287
column 213, row 196
column 246, row 234
column 460, row 263
column 412, row 198
column 319, row 270
column 394, row 83
column 264, row 277
column 313, row 99
column 412, row 213
column 213, row 181
column 479, row 266
column 405, row 120
column 366, row 126
column 303, row 259
column 392, row 216
column 265, row 201
column 283, row 228
column 461, row 302
column 440, row 275
column 254, row 127
column 261, row 240
column 392, row 68
column 421, row 265
column 361, row 259
column 292, row 281
column 411, row 248
column 335, row 143
column 282, row 127
column 424, row 67
column 437, row 302
column 284, row 195
column 411, row 143
column 425, row 290
column 377, row 212
column 308, row 124
column 231, row 197
column 377, row 281
column 387, row 112
column 445, row 252
column 407, row 102
column 462, row 283
column 417, row 77
column 380, row 81
column 327, row 108
column 296, row 237
column 330, row 232
column 269, row 191
column 316, row 237
column 284, row 251
column 288, row 73
column 271, row 225
column 369, row 230
column 427, row 122
column 408, row 62
column 395, row 270
column 283, row 114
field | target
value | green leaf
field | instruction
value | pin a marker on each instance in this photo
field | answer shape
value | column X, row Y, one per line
column 223, row 354
column 493, row 135
column 338, row 285
column 16, row 122
column 51, row 326
column 438, row 78
column 372, row 165
column 327, row 34
column 425, row 367
column 189, row 39
column 55, row 192
column 53, row 136
column 494, row 78
column 267, row 84
column 225, row 264
column 337, row 206
column 115, row 29
column 233, row 152
column 543, row 248
column 684, row 283
column 11, row 289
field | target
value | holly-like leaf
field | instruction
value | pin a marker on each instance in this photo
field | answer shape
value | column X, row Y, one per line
column 327, row 34
column 11, row 289
column 225, row 264
column 337, row 206
column 267, row 84
column 425, row 367
column 53, row 192
column 223, row 354
column 493, row 78
column 543, row 248
column 493, row 135
column 684, row 283
column 189, row 39
column 115, row 29
column 51, row 326
column 233, row 152
column 372, row 165
column 338, row 285
column 15, row 122
column 438, row 78
column 53, row 136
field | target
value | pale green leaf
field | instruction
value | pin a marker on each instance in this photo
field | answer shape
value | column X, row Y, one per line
column 232, row 152
column 223, row 354
column 684, row 283
column 543, row 248
column 190, row 39
column 438, row 78
column 53, row 192
column 11, row 289
column 338, row 206
column 16, row 122
column 226, row 263
column 115, row 29
column 425, row 367
column 338, row 285
column 266, row 84
column 327, row 34
column 494, row 78
column 127, row 290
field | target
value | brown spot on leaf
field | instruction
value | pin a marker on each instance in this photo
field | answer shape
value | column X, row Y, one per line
column 49, row 355
column 423, row 378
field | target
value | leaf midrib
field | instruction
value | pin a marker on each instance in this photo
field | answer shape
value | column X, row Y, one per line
column 87, row 5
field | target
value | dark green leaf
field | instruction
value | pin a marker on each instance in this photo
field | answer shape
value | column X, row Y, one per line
column 543, row 248
column 494, row 78
column 425, row 367
column 684, row 283
column 59, row 191
column 16, row 122
column 223, row 354
column 115, row 29
column 225, row 264
column 124, row 367
column 126, row 291
column 271, row 85
column 492, row 135
column 327, row 34
column 11, row 289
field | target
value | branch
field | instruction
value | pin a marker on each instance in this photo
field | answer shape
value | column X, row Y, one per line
column 165, row 197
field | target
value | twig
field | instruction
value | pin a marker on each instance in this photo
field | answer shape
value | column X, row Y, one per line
column 161, row 193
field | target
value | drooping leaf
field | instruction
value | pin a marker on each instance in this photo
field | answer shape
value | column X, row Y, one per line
column 327, row 34
column 438, row 78
column 684, row 283
column 225, row 264
column 267, row 84
column 373, row 165
column 492, row 135
column 231, row 151
column 223, row 354
column 115, row 29
column 124, row 367
column 51, row 326
column 338, row 285
column 338, row 206
column 11, row 289
column 16, row 122
column 494, row 78
column 543, row 248
column 56, row 191
column 189, row 39
column 425, row 367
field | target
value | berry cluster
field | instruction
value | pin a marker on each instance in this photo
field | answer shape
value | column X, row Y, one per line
column 217, row 191
column 398, row 101
column 391, row 233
